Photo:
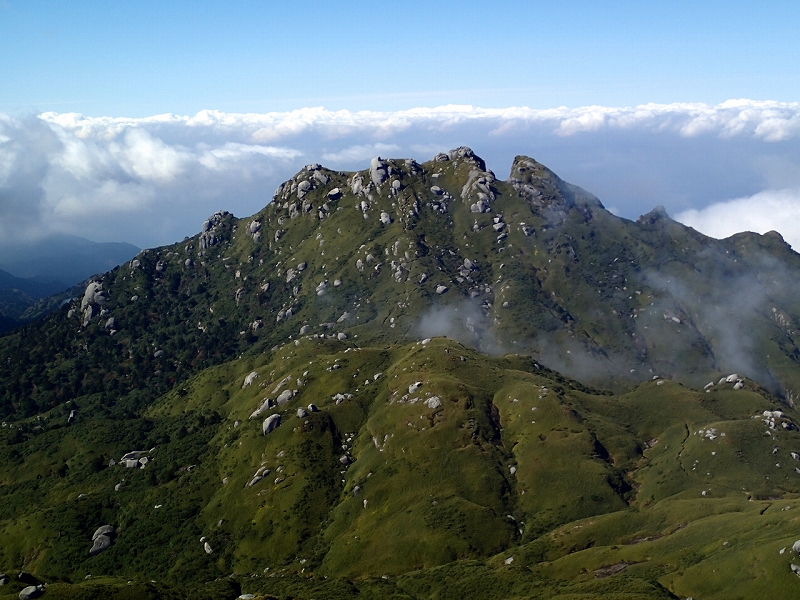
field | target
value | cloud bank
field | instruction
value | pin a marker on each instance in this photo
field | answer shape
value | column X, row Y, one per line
column 153, row 180
column 771, row 210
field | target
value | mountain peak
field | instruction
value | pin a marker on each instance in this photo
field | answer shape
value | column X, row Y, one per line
column 655, row 215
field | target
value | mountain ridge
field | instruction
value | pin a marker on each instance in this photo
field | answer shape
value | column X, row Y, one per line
column 364, row 379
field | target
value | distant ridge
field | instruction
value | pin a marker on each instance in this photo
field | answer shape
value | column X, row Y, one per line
column 35, row 277
column 67, row 259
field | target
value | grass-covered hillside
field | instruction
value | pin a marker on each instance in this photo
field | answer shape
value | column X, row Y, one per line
column 359, row 391
column 419, row 470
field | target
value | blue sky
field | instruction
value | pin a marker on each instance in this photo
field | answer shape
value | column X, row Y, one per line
column 134, row 121
column 137, row 59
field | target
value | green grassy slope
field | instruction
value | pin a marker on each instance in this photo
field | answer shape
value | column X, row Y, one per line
column 492, row 470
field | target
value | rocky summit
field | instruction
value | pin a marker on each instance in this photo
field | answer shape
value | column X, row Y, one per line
column 413, row 381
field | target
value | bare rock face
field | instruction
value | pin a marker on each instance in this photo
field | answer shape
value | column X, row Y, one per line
column 320, row 177
column 87, row 315
column 378, row 170
column 93, row 294
column 270, row 423
column 32, row 591
column 103, row 530
column 265, row 405
column 209, row 230
column 251, row 377
column 303, row 188
column 101, row 544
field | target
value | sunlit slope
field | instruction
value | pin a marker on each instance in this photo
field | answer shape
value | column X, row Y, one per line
column 418, row 457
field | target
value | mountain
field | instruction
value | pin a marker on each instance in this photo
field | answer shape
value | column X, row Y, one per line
column 47, row 271
column 17, row 295
column 414, row 381
column 63, row 259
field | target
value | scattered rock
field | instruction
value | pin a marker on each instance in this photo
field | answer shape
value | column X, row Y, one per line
column 249, row 379
column 301, row 413
column 103, row 530
column 93, row 294
column 441, row 289
column 270, row 423
column 433, row 402
column 207, row 548
column 265, row 405
column 377, row 171
column 101, row 543
column 32, row 591
column 303, row 188
column 26, row 577
column 285, row 396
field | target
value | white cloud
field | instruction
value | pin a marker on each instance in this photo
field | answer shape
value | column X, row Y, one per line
column 107, row 198
column 153, row 180
column 218, row 158
column 362, row 152
column 770, row 210
column 148, row 158
column 768, row 120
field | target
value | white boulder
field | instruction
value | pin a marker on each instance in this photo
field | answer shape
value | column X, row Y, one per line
column 270, row 423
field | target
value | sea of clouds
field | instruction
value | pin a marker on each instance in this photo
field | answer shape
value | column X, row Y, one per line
column 719, row 168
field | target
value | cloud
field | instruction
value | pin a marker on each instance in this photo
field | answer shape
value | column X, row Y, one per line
column 153, row 180
column 463, row 321
column 770, row 210
column 359, row 153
